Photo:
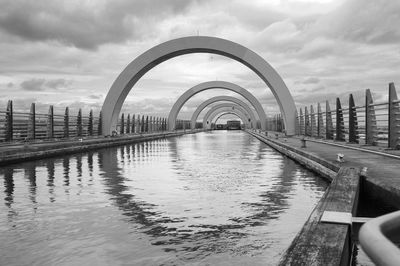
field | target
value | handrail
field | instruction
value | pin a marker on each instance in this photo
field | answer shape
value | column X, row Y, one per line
column 374, row 241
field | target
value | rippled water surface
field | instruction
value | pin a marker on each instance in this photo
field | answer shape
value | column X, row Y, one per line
column 219, row 198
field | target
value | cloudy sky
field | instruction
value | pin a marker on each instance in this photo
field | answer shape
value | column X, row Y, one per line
column 68, row 53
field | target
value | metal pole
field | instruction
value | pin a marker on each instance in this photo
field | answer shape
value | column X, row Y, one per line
column 394, row 118
column 339, row 122
column 50, row 123
column 321, row 129
column 32, row 122
column 371, row 130
column 329, row 122
column 353, row 125
column 79, row 123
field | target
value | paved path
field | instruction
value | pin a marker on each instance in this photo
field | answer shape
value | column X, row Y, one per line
column 383, row 173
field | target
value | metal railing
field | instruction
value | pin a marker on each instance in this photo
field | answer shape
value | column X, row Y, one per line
column 370, row 124
column 29, row 126
column 375, row 240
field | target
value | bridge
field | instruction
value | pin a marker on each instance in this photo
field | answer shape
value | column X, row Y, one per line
column 356, row 148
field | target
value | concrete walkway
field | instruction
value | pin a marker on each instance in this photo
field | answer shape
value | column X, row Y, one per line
column 381, row 175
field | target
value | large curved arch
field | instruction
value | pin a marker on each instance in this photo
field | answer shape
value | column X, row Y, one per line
column 220, row 99
column 195, row 44
column 173, row 114
column 227, row 113
column 227, row 110
column 226, row 107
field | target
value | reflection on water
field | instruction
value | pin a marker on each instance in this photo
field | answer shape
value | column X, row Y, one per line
column 204, row 199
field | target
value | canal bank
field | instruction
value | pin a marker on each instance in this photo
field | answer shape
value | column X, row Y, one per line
column 21, row 152
column 329, row 243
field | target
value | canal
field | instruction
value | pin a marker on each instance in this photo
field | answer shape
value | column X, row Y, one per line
column 212, row 198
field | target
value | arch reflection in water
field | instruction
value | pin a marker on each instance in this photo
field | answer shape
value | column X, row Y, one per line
column 202, row 198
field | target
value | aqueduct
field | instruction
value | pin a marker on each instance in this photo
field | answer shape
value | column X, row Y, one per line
column 195, row 44
column 220, row 99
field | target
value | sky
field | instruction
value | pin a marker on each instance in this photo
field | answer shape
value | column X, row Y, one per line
column 68, row 53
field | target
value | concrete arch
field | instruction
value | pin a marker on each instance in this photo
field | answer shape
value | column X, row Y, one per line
column 173, row 114
column 195, row 44
column 227, row 110
column 215, row 85
column 219, row 99
column 226, row 113
column 226, row 107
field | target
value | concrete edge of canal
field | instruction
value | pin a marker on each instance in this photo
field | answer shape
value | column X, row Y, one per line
column 39, row 150
column 320, row 243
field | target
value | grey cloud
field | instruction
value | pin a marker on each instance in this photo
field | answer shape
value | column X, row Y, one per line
column 363, row 21
column 311, row 80
column 85, row 24
column 33, row 85
column 95, row 97
column 40, row 84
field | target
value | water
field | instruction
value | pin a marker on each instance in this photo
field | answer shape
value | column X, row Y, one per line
column 220, row 198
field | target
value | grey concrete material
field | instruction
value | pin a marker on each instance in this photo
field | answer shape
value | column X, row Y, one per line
column 218, row 99
column 215, row 85
column 223, row 107
column 224, row 111
column 195, row 44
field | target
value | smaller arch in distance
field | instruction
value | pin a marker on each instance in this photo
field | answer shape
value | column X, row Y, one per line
column 173, row 114
column 212, row 100
column 238, row 113
column 227, row 106
column 227, row 113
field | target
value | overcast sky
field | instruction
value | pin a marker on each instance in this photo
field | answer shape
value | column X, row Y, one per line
column 68, row 53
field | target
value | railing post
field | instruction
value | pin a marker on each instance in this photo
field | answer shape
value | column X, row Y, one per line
column 66, row 123
column 139, row 125
column 122, row 126
column 90, row 124
column 394, row 118
column 328, row 121
column 79, row 123
column 307, row 122
column 133, row 124
column 50, row 123
column 314, row 129
column 100, row 125
column 371, row 130
column 302, row 123
column 32, row 122
column 128, row 124
column 321, row 129
column 339, row 121
column 353, row 125
column 9, row 121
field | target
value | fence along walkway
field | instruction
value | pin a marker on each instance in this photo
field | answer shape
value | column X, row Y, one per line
column 371, row 124
column 29, row 126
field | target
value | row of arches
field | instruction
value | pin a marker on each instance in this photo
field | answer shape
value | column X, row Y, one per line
column 199, row 44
